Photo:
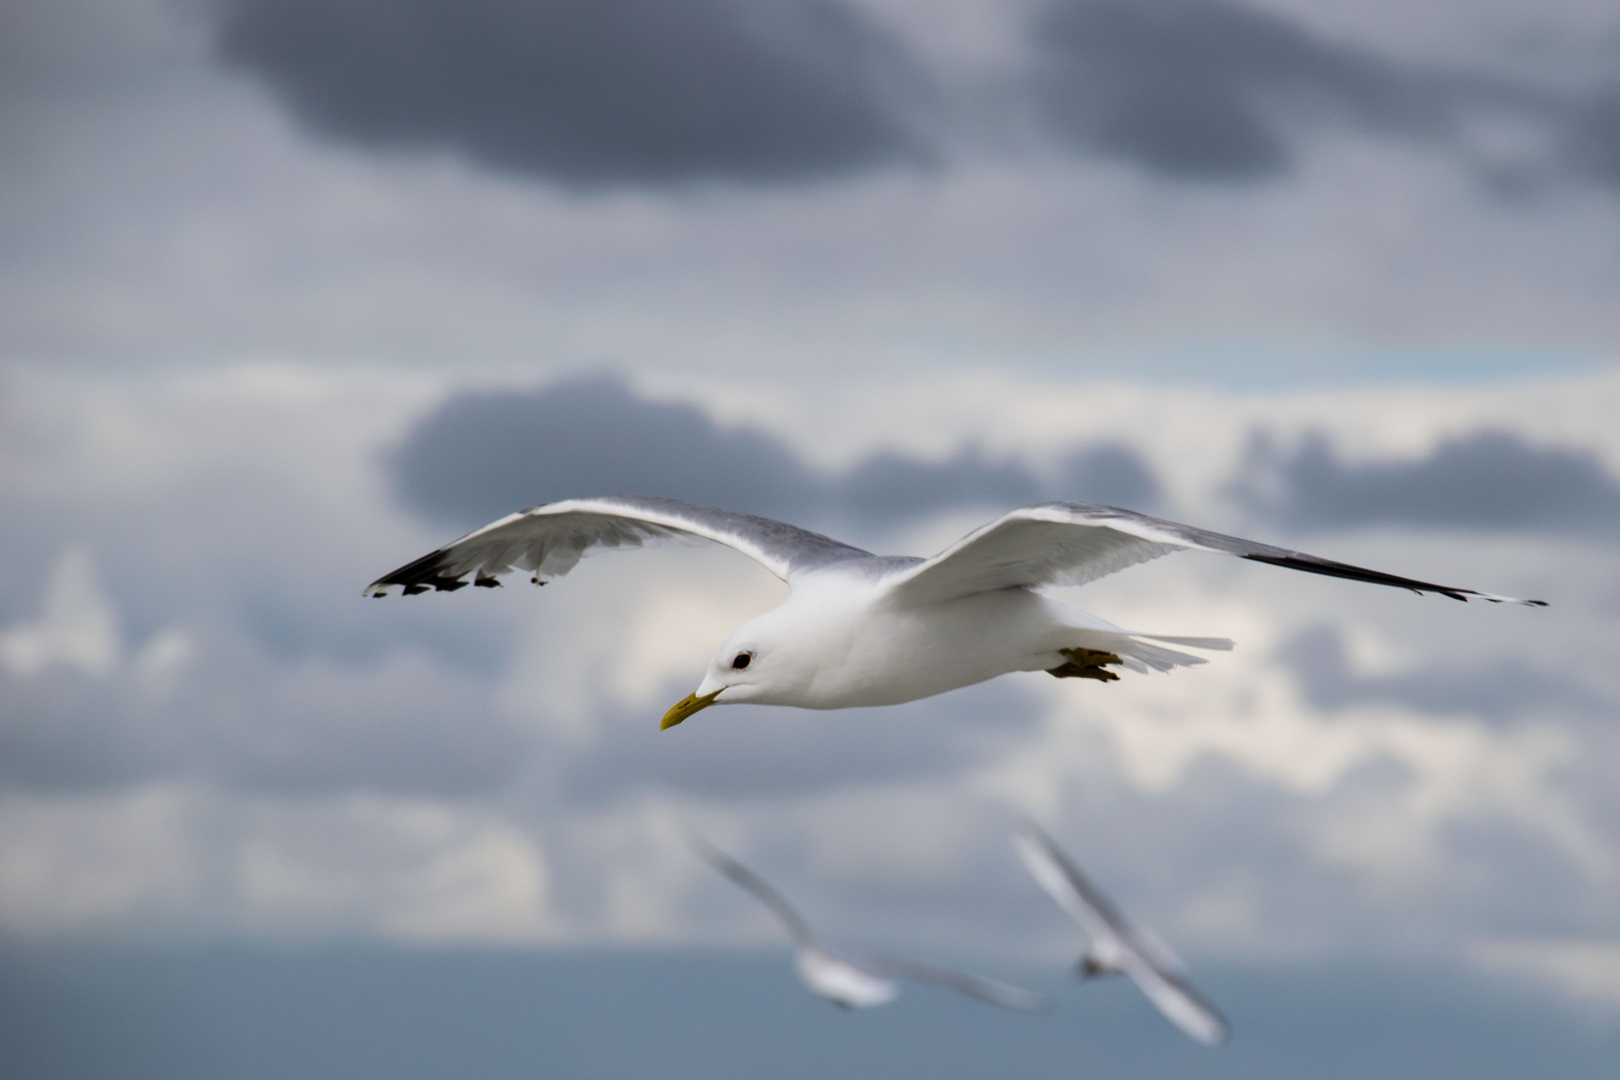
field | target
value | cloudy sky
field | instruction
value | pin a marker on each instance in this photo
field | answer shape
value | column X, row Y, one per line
column 291, row 292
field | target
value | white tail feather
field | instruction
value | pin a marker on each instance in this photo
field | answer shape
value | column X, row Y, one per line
column 1220, row 644
column 1139, row 655
column 1163, row 659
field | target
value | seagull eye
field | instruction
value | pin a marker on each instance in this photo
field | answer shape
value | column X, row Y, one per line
column 741, row 660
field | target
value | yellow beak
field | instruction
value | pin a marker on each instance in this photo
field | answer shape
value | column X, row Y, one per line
column 685, row 707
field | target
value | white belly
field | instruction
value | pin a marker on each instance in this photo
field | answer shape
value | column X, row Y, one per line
column 892, row 656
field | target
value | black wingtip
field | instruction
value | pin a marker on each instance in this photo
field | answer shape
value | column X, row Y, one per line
column 1329, row 568
column 420, row 576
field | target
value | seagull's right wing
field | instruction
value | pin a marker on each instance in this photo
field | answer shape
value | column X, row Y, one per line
column 546, row 541
column 996, row 993
column 1177, row 1000
column 1062, row 543
column 753, row 883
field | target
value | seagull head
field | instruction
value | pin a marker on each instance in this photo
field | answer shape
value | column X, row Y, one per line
column 755, row 664
column 798, row 653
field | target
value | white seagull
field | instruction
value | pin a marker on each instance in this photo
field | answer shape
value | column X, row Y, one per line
column 852, row 982
column 1116, row 946
column 864, row 629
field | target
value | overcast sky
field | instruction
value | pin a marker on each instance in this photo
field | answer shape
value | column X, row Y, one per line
column 292, row 292
column 1190, row 189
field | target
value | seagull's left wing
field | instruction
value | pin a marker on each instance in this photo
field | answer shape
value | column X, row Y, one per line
column 548, row 540
column 1062, row 543
column 1071, row 890
column 996, row 993
column 762, row 891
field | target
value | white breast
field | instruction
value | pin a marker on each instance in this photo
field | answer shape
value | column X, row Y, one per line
column 864, row 649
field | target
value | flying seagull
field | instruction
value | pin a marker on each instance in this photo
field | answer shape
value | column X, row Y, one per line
column 852, row 982
column 864, row 629
column 1116, row 946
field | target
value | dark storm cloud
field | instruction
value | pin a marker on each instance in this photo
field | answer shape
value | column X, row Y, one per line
column 1202, row 89
column 1210, row 90
column 1490, row 480
column 887, row 485
column 590, row 91
column 1502, row 690
column 480, row 456
column 1111, row 474
column 605, row 92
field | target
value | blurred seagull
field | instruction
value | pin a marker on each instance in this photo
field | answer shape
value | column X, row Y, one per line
column 864, row 629
column 1116, row 946
column 856, row 982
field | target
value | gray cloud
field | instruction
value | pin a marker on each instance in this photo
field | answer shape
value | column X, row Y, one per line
column 1211, row 90
column 887, row 485
column 245, row 721
column 1112, row 474
column 1201, row 89
column 403, row 727
column 1593, row 141
column 590, row 91
column 479, row 456
column 1501, row 690
column 1489, row 480
column 61, row 731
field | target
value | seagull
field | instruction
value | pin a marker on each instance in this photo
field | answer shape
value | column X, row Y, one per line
column 863, row 629
column 852, row 982
column 1116, row 946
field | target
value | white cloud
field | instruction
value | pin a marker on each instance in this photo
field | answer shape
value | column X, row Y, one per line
column 165, row 657
column 1587, row 970
column 90, row 865
column 406, row 870
column 77, row 624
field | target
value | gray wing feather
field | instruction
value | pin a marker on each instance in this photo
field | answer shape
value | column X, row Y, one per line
column 997, row 993
column 761, row 890
column 547, row 541
column 1067, row 886
column 1063, row 543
